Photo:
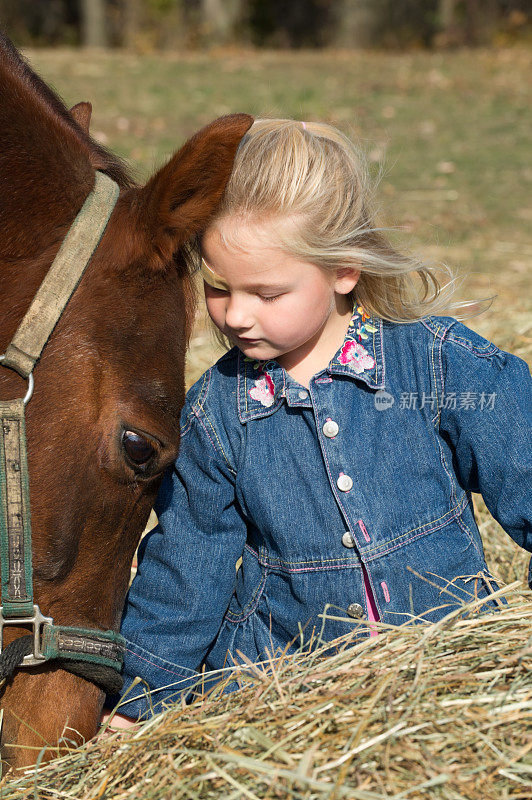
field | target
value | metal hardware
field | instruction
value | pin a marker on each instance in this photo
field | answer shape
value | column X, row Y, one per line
column 27, row 396
column 330, row 429
column 355, row 610
column 37, row 620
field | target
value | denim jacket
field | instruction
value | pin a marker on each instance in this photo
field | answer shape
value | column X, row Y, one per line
column 371, row 469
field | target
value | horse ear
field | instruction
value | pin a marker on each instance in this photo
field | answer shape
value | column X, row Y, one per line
column 180, row 199
column 82, row 114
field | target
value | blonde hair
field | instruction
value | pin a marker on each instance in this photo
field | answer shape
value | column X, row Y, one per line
column 316, row 178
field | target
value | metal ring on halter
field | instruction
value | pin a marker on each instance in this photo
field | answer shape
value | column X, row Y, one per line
column 27, row 396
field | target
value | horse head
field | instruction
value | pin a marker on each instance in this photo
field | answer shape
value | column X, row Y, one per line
column 103, row 421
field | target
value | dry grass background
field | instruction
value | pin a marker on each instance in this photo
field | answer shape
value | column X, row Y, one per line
column 442, row 711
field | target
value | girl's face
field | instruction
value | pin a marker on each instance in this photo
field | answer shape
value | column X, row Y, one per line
column 274, row 306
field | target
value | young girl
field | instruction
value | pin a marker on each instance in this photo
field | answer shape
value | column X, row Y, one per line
column 335, row 447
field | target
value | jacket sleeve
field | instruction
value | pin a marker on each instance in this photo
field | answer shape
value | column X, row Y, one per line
column 486, row 416
column 186, row 571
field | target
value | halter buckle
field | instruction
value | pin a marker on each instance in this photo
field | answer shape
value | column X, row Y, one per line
column 36, row 620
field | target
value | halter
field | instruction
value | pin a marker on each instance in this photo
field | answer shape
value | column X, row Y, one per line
column 96, row 655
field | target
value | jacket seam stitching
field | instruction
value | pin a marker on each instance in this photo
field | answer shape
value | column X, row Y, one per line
column 202, row 397
column 200, row 407
column 434, row 375
column 133, row 650
column 251, row 606
column 188, row 423
column 374, row 354
column 353, row 564
column 200, row 420
column 383, row 376
column 443, row 460
column 481, row 350
column 436, row 333
column 468, row 531
column 447, row 471
column 207, row 433
column 231, row 469
column 442, row 381
column 274, row 564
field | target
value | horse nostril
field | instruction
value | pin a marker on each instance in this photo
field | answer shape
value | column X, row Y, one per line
column 138, row 449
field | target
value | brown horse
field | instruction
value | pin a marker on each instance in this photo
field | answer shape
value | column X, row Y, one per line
column 114, row 364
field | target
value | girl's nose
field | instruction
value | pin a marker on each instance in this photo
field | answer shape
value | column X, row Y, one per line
column 237, row 314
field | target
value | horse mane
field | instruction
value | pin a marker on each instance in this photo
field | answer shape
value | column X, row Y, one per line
column 99, row 156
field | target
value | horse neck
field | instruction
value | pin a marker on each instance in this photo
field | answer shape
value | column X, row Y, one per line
column 46, row 160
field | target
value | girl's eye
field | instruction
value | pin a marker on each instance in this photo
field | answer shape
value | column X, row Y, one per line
column 271, row 298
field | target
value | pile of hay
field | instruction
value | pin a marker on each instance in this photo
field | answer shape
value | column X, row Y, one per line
column 426, row 711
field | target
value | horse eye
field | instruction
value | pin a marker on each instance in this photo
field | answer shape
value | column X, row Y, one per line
column 138, row 449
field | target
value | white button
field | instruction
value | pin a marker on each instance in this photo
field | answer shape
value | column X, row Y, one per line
column 330, row 428
column 355, row 610
column 347, row 539
column 302, row 394
column 344, row 482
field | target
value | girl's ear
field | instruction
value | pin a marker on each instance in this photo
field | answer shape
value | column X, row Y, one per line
column 180, row 199
column 346, row 279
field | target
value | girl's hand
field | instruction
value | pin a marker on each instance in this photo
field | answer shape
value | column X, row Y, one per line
column 118, row 722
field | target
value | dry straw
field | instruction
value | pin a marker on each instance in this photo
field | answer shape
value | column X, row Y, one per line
column 438, row 710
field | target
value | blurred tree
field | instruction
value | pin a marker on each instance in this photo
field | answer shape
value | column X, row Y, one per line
column 299, row 23
column 148, row 24
column 448, row 20
column 426, row 23
column 385, row 23
column 466, row 22
column 131, row 22
column 220, row 19
column 159, row 24
column 93, row 23
column 39, row 21
column 357, row 22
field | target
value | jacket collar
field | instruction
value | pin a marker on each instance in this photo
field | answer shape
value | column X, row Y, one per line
column 264, row 385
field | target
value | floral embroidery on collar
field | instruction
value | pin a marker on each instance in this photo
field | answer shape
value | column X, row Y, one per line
column 264, row 390
column 262, row 365
column 359, row 324
column 353, row 353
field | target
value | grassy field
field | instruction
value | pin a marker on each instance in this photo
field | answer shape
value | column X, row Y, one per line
column 451, row 133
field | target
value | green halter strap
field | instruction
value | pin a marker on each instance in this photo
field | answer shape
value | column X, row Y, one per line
column 102, row 648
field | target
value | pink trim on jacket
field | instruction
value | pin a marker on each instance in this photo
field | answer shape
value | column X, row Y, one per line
column 373, row 613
